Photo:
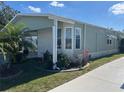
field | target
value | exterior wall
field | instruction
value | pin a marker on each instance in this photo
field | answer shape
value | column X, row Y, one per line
column 44, row 27
column 62, row 25
column 79, row 51
column 96, row 41
column 34, row 23
column 44, row 41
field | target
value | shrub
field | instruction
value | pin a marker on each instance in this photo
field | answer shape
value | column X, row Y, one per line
column 63, row 61
column 3, row 67
column 75, row 65
column 47, row 60
column 121, row 47
column 76, row 61
column 26, row 52
column 86, row 60
column 19, row 57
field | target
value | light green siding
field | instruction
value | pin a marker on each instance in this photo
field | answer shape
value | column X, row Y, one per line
column 96, row 41
column 62, row 25
column 91, row 38
column 34, row 23
column 45, row 41
column 79, row 51
column 96, row 37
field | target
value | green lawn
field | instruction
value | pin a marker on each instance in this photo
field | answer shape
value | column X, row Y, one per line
column 33, row 79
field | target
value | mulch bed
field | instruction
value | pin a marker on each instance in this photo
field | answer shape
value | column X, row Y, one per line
column 65, row 70
column 8, row 73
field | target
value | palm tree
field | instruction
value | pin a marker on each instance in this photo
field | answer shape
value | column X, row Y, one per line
column 12, row 41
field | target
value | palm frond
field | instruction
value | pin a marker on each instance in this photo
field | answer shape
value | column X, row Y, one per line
column 12, row 40
column 28, row 45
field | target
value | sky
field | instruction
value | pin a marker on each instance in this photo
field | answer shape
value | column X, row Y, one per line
column 108, row 14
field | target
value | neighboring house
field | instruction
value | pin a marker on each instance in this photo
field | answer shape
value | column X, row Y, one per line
column 58, row 34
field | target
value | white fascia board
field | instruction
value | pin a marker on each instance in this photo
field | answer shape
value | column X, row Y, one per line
column 61, row 19
column 22, row 15
column 33, row 15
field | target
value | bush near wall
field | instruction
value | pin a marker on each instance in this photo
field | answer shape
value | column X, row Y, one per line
column 121, row 48
column 47, row 60
column 63, row 61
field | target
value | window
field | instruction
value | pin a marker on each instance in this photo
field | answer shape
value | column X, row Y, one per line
column 77, row 38
column 33, row 40
column 59, row 39
column 109, row 41
column 68, row 38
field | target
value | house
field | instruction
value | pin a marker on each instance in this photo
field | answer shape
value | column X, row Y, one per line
column 58, row 34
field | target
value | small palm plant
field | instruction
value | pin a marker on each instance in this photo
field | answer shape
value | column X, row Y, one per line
column 12, row 41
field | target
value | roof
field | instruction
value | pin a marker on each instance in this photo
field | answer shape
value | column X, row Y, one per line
column 59, row 17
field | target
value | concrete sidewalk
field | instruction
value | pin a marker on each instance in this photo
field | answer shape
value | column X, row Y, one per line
column 109, row 77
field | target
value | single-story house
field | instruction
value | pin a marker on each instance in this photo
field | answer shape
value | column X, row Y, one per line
column 59, row 34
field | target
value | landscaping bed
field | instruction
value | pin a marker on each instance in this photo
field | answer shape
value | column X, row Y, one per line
column 33, row 79
column 10, row 72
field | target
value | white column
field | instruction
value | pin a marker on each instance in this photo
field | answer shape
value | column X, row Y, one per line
column 84, row 36
column 54, row 32
column 73, row 38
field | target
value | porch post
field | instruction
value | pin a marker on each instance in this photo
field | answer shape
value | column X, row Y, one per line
column 84, row 37
column 54, row 33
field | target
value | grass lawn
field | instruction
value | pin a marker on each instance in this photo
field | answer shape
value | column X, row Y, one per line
column 33, row 79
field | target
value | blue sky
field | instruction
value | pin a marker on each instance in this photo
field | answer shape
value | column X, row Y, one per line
column 106, row 14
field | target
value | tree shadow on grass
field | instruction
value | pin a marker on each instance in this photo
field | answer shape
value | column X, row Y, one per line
column 29, row 73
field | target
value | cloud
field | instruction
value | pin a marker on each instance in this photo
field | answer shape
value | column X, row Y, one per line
column 117, row 9
column 56, row 4
column 34, row 9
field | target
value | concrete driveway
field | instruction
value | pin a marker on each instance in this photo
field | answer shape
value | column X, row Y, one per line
column 109, row 77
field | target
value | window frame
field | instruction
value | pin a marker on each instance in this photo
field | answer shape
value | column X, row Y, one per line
column 109, row 41
column 31, row 40
column 75, row 37
column 65, row 38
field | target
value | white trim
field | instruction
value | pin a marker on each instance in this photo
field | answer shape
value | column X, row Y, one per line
column 65, row 38
column 51, row 16
column 54, row 33
column 75, row 37
column 72, row 38
column 84, row 36
column 61, row 19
